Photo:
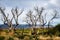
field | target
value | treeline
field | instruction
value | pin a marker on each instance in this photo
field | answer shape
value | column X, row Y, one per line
column 31, row 18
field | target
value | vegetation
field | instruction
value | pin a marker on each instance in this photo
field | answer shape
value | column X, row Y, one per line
column 31, row 19
column 10, row 38
column 29, row 34
column 2, row 37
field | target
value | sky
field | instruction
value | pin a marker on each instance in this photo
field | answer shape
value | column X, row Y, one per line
column 30, row 4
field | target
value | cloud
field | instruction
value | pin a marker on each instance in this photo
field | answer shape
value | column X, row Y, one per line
column 55, row 2
column 29, row 4
column 23, row 3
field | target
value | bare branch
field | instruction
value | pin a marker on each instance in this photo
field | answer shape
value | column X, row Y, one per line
column 21, row 12
column 54, row 17
column 16, row 15
column 2, row 11
column 3, row 14
column 6, row 18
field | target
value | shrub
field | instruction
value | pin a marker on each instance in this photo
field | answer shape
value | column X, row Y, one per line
column 21, row 36
column 31, row 37
column 10, row 38
column 57, row 33
column 50, row 32
column 57, row 30
column 6, row 31
column 54, row 31
column 2, row 37
column 57, row 27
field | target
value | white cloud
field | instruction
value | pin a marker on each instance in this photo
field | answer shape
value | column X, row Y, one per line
column 55, row 2
column 29, row 5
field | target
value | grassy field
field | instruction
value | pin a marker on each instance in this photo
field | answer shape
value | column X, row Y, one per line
column 27, row 34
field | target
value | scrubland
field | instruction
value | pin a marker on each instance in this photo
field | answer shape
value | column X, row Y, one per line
column 29, row 34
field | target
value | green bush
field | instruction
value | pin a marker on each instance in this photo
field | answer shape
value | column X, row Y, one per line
column 2, row 37
column 21, row 36
column 6, row 31
column 57, row 27
column 31, row 37
column 10, row 38
column 57, row 33
column 54, row 31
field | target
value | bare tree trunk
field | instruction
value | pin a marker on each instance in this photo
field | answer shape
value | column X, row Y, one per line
column 16, row 14
column 48, row 24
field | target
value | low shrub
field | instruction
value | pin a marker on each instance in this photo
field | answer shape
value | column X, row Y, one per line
column 10, row 38
column 7, row 31
column 2, row 37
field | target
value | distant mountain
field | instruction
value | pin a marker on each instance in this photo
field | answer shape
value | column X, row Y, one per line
column 5, row 26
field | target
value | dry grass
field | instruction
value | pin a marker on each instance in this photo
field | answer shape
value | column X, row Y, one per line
column 26, row 32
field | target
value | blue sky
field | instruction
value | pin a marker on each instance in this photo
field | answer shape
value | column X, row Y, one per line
column 30, row 4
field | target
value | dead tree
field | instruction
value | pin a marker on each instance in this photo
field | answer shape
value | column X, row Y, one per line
column 6, row 19
column 16, row 14
column 41, row 18
column 35, row 20
column 3, row 15
column 9, row 22
column 55, row 16
column 31, row 19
